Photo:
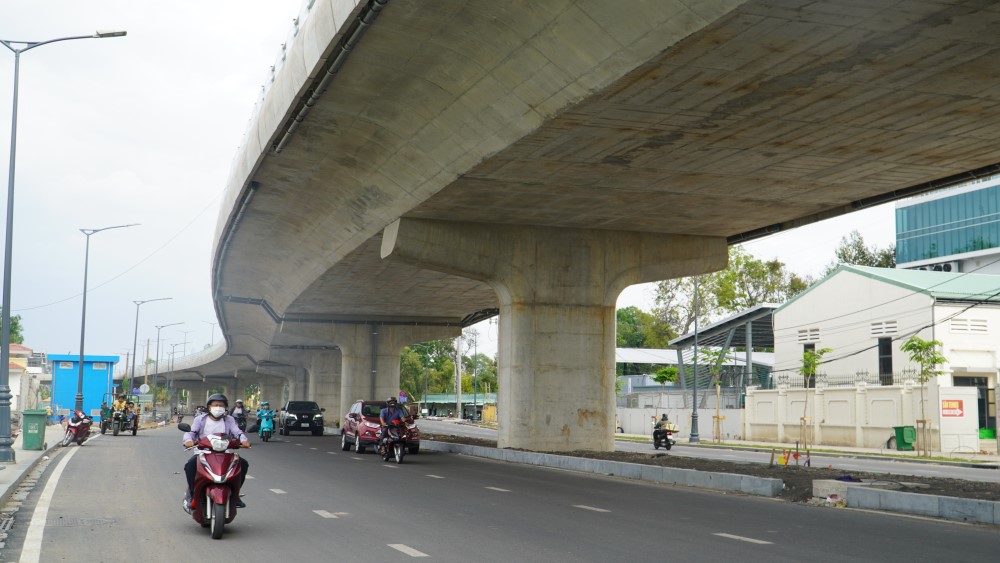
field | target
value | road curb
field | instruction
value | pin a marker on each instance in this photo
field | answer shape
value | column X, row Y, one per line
column 747, row 484
column 947, row 508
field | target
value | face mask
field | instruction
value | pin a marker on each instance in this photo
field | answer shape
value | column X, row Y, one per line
column 217, row 411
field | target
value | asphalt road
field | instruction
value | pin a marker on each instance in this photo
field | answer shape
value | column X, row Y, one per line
column 745, row 456
column 119, row 497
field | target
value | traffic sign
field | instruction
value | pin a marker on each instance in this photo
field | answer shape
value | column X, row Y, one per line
column 144, row 388
column 952, row 407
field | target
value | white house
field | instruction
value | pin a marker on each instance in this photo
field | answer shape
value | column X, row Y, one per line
column 866, row 384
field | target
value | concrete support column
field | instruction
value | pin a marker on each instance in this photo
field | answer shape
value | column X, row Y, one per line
column 273, row 391
column 325, row 380
column 369, row 355
column 557, row 290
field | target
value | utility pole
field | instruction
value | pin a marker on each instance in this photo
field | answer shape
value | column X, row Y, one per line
column 693, row 438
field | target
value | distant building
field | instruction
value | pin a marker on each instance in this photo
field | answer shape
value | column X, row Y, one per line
column 97, row 380
column 954, row 230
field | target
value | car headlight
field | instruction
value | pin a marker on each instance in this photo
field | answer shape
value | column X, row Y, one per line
column 371, row 424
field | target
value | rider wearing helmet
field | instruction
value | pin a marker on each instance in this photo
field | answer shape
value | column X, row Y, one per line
column 391, row 411
column 238, row 409
column 214, row 422
column 262, row 411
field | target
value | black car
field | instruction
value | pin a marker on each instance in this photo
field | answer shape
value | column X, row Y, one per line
column 300, row 416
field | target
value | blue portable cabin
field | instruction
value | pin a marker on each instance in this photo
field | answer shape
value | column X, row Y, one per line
column 98, row 373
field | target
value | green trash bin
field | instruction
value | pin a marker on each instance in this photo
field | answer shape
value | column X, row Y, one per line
column 906, row 436
column 33, row 429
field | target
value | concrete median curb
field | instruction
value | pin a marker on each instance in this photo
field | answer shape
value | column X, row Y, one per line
column 761, row 486
column 948, row 508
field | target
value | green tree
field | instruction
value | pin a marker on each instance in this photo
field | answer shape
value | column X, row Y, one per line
column 925, row 354
column 810, row 361
column 748, row 281
column 665, row 374
column 16, row 329
column 853, row 250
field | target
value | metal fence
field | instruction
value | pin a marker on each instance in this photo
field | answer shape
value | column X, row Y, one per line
column 858, row 379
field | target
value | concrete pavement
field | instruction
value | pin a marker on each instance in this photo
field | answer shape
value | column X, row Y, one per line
column 11, row 474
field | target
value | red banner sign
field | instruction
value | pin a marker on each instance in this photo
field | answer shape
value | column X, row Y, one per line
column 952, row 407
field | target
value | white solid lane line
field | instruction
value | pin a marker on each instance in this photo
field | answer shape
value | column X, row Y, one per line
column 277, row 491
column 585, row 507
column 407, row 550
column 325, row 514
column 32, row 550
column 741, row 538
column 498, row 489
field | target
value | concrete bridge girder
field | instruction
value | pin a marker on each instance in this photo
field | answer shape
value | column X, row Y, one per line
column 557, row 291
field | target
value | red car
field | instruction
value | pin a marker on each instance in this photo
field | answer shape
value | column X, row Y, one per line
column 361, row 423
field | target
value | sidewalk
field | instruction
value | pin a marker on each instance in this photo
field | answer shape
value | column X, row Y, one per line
column 11, row 474
column 964, row 459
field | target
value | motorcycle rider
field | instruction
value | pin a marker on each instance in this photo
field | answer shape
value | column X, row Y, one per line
column 391, row 411
column 238, row 409
column 264, row 410
column 661, row 426
column 214, row 422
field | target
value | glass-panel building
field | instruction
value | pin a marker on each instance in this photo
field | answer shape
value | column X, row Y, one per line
column 954, row 230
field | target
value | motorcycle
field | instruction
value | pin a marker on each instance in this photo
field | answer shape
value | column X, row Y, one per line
column 266, row 421
column 216, row 481
column 122, row 422
column 241, row 421
column 77, row 429
column 664, row 436
column 393, row 444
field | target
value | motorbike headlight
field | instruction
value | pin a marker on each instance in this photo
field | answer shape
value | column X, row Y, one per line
column 411, row 426
column 219, row 444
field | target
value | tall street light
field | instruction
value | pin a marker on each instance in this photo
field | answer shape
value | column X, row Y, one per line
column 135, row 338
column 83, row 316
column 6, row 452
column 213, row 332
column 156, row 371
column 185, row 343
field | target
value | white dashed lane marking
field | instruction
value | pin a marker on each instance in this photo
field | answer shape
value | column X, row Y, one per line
column 325, row 514
column 741, row 538
column 435, row 477
column 407, row 550
column 250, row 476
column 498, row 489
column 277, row 491
column 358, row 458
column 585, row 507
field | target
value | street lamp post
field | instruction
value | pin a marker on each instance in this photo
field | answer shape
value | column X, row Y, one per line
column 184, row 349
column 693, row 437
column 83, row 316
column 6, row 452
column 135, row 338
column 156, row 372
column 212, row 343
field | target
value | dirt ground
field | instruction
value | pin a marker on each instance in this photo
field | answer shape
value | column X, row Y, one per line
column 798, row 479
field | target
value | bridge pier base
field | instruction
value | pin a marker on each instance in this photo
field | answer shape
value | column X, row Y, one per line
column 558, row 290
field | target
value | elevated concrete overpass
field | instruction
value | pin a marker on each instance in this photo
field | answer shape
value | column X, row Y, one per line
column 417, row 166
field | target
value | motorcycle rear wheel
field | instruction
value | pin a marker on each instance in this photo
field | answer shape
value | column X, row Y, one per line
column 398, row 451
column 135, row 427
column 67, row 438
column 115, row 428
column 218, row 520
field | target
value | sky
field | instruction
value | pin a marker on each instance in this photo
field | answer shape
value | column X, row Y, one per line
column 143, row 129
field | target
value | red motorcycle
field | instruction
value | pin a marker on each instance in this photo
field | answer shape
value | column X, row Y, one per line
column 216, row 481
column 77, row 429
column 393, row 445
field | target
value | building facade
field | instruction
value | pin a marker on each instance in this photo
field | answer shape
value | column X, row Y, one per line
column 954, row 230
column 866, row 384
